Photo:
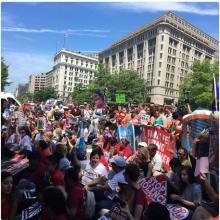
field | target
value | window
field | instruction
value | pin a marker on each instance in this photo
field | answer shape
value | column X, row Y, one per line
column 161, row 55
column 159, row 72
column 161, row 47
column 158, row 82
column 162, row 38
column 160, row 64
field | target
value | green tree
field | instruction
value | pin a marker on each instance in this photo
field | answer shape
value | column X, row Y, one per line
column 43, row 94
column 127, row 81
column 4, row 75
column 26, row 97
column 199, row 84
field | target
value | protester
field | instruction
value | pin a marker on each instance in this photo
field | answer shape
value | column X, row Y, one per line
column 156, row 160
column 75, row 193
column 54, row 204
column 9, row 197
column 191, row 191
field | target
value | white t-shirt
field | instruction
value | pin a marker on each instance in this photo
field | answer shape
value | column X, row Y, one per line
column 118, row 177
column 157, row 162
column 26, row 142
column 90, row 173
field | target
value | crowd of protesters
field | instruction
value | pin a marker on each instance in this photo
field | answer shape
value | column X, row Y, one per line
column 70, row 184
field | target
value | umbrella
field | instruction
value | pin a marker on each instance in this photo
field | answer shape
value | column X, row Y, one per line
column 198, row 120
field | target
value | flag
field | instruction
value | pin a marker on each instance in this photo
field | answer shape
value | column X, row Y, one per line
column 81, row 139
column 215, row 90
column 99, row 100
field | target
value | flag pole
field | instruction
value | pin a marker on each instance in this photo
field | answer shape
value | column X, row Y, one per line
column 215, row 92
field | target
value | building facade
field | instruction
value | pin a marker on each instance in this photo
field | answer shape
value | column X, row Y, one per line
column 36, row 82
column 71, row 69
column 21, row 89
column 162, row 53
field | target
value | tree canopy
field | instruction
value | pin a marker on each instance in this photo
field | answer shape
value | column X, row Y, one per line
column 4, row 75
column 199, row 84
column 126, row 81
column 45, row 93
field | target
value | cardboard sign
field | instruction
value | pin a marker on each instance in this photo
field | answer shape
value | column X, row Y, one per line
column 163, row 140
column 177, row 212
column 120, row 97
column 155, row 188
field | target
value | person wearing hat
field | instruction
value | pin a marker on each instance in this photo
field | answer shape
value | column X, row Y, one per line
column 110, row 185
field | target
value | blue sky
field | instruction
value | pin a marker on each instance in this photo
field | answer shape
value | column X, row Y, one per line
column 31, row 32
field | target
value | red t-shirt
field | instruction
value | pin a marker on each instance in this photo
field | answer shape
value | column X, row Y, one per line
column 38, row 175
column 58, row 178
column 124, row 152
column 5, row 209
column 76, row 199
column 104, row 162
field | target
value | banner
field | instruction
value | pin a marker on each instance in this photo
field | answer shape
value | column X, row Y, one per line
column 155, row 188
column 164, row 141
column 128, row 133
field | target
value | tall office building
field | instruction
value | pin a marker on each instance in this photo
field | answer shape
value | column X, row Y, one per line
column 21, row 89
column 70, row 69
column 36, row 82
column 162, row 53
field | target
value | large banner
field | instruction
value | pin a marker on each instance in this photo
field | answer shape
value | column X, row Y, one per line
column 128, row 133
column 164, row 141
column 155, row 188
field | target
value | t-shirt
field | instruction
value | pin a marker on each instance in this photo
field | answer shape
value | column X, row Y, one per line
column 193, row 193
column 157, row 162
column 5, row 209
column 113, row 183
column 58, row 178
column 38, row 174
column 124, row 152
column 76, row 199
column 90, row 173
column 26, row 142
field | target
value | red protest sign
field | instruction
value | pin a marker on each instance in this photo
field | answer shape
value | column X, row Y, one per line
column 163, row 140
column 155, row 188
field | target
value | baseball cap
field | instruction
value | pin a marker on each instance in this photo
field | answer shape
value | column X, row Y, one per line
column 118, row 160
column 142, row 144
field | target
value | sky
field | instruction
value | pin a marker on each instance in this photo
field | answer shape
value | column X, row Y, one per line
column 32, row 32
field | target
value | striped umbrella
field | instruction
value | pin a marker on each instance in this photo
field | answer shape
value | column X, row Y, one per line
column 198, row 120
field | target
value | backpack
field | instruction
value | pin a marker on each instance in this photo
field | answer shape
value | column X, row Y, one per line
column 90, row 204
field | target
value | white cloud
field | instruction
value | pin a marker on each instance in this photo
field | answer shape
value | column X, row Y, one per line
column 165, row 6
column 78, row 32
column 23, row 64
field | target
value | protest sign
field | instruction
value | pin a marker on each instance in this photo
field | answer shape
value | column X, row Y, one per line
column 155, row 188
column 128, row 133
column 120, row 98
column 177, row 212
column 164, row 141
